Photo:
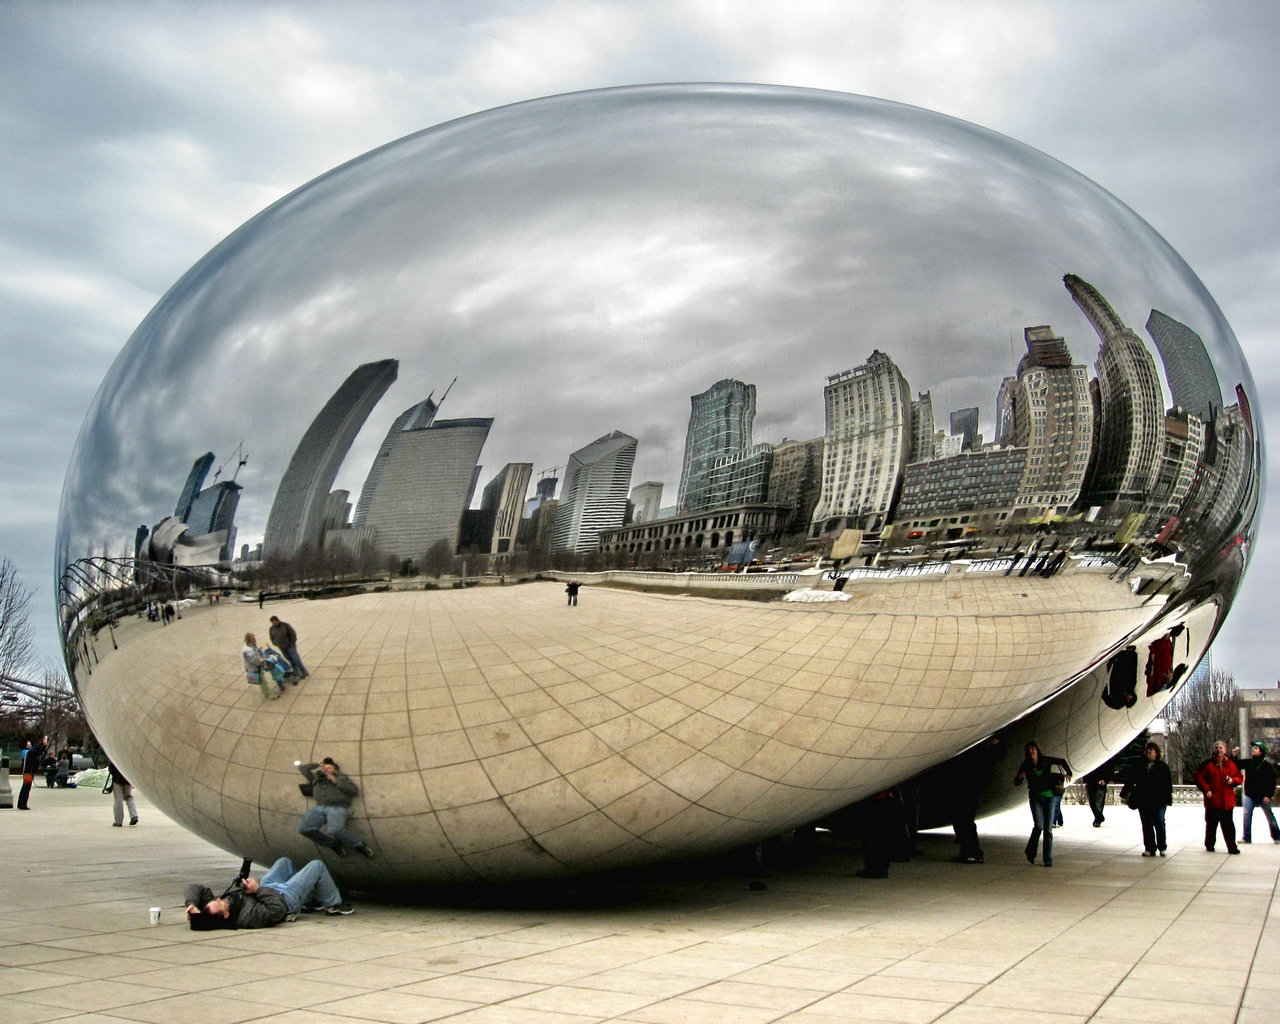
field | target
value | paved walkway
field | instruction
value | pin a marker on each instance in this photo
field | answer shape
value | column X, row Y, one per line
column 1104, row 935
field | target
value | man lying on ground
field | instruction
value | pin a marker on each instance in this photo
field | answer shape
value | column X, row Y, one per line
column 281, row 896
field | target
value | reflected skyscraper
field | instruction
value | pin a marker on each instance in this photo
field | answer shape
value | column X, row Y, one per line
column 597, row 478
column 503, row 500
column 423, row 482
column 719, row 426
column 415, row 416
column 195, row 480
column 795, row 480
column 1130, row 424
column 1193, row 381
column 214, row 509
column 1048, row 411
column 647, row 499
column 297, row 514
column 868, row 439
column 965, row 423
column 922, row 427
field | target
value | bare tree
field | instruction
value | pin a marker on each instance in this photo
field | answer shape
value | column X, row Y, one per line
column 1207, row 710
column 15, row 626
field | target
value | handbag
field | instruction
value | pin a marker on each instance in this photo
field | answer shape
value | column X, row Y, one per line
column 28, row 778
column 1059, row 783
column 109, row 785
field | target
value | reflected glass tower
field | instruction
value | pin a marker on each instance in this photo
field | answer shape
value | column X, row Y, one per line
column 647, row 499
column 503, row 497
column 719, row 427
column 597, row 479
column 297, row 514
column 419, row 415
column 1193, row 381
column 195, row 480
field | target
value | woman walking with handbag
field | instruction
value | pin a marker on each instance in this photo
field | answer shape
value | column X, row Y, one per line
column 1045, row 777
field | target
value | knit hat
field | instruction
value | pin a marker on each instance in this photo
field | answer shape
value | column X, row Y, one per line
column 1262, row 747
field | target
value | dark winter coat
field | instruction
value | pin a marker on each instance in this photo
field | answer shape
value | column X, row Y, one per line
column 260, row 909
column 1150, row 785
column 338, row 793
column 1259, row 778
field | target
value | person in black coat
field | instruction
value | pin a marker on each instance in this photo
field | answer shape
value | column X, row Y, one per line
column 1259, row 789
column 32, row 761
column 1149, row 791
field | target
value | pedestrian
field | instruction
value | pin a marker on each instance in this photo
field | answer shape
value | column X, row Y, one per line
column 572, row 590
column 285, row 638
column 326, row 822
column 281, row 896
column 1149, row 791
column 1095, row 791
column 121, row 795
column 970, row 773
column 256, row 669
column 1259, row 790
column 1045, row 777
column 32, row 759
column 1217, row 779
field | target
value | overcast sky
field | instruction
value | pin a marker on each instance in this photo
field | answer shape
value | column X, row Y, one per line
column 137, row 136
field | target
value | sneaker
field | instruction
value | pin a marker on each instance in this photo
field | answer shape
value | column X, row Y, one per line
column 961, row 859
column 1147, row 853
column 1048, row 863
column 365, row 851
column 342, row 908
column 1236, row 850
column 133, row 821
column 116, row 824
column 1246, row 840
column 1162, row 853
column 341, row 851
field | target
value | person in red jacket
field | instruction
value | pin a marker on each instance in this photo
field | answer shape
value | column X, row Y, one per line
column 1217, row 779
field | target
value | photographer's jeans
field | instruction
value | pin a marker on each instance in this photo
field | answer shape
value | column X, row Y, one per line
column 327, row 826
column 313, row 882
column 1249, row 804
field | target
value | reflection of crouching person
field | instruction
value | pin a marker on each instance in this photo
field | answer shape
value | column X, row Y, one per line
column 326, row 822
column 281, row 895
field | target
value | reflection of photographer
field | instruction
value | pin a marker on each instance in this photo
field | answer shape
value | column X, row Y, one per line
column 326, row 822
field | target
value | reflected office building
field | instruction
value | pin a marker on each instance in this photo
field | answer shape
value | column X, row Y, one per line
column 1008, row 490
column 297, row 514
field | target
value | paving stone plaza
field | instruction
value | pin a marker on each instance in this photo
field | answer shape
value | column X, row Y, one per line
column 1103, row 935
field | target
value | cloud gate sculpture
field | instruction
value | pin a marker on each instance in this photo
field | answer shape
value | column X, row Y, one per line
column 866, row 432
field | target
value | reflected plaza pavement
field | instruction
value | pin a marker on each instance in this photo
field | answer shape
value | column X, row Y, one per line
column 1105, row 935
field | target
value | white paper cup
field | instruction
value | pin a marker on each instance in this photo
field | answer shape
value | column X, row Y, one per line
column 155, row 915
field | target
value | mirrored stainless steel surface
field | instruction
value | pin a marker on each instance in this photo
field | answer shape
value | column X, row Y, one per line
column 867, row 433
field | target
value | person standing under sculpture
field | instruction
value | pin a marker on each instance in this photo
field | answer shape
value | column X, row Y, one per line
column 1259, row 790
column 121, row 794
column 284, row 637
column 1217, row 779
column 32, row 757
column 1041, row 772
column 972, row 771
column 1149, row 791
column 326, row 822
column 572, row 590
column 1095, row 790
